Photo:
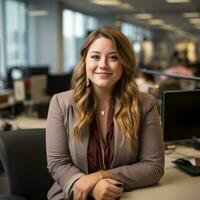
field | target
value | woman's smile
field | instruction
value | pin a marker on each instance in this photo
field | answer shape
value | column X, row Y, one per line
column 103, row 74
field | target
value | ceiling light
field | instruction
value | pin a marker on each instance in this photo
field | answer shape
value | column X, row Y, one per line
column 126, row 6
column 37, row 13
column 156, row 21
column 106, row 2
column 195, row 21
column 178, row 1
column 116, row 3
column 191, row 15
column 144, row 16
column 168, row 27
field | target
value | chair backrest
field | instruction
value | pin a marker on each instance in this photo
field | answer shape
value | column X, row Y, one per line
column 23, row 155
column 168, row 84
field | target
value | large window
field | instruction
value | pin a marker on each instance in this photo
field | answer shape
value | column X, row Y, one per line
column 15, row 30
column 75, row 28
column 2, row 71
column 136, row 35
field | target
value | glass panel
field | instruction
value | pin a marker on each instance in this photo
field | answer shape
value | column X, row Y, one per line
column 75, row 28
column 69, row 39
column 2, row 70
column 79, row 25
column 15, row 33
column 91, row 23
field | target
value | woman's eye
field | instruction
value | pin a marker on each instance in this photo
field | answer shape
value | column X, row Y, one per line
column 95, row 57
column 113, row 58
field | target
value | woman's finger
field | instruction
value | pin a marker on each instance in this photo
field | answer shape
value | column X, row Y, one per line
column 78, row 196
column 84, row 196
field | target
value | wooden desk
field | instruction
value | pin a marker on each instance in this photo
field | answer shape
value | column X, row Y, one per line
column 175, row 185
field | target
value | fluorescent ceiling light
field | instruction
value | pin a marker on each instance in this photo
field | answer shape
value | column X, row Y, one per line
column 116, row 3
column 156, row 21
column 126, row 6
column 178, row 1
column 144, row 16
column 106, row 2
column 168, row 27
column 37, row 13
column 191, row 15
column 195, row 21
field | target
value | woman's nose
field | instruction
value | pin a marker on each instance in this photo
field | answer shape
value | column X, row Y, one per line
column 103, row 62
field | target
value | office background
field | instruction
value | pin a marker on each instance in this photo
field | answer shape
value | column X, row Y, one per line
column 50, row 32
column 47, row 35
column 43, row 37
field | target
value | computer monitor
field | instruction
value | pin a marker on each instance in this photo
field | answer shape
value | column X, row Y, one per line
column 38, row 70
column 58, row 83
column 181, row 115
column 21, row 72
column 16, row 73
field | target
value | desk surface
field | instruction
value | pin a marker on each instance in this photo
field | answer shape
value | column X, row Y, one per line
column 24, row 122
column 174, row 185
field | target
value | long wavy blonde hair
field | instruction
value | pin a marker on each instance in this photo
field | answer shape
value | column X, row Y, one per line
column 125, row 94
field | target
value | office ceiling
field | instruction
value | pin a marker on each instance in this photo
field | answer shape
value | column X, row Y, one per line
column 171, row 13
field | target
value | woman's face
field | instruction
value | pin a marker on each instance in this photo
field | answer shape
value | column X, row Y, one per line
column 102, row 64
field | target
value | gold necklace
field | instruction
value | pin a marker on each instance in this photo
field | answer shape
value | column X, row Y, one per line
column 102, row 112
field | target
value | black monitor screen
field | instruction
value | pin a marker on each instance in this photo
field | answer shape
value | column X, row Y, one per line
column 58, row 83
column 38, row 70
column 181, row 115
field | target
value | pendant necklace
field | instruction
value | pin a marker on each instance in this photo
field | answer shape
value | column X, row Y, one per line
column 102, row 112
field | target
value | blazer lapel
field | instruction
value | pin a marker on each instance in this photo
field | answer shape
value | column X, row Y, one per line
column 78, row 151
column 81, row 151
column 120, row 148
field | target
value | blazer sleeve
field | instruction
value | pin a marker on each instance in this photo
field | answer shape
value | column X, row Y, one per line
column 59, row 161
column 149, row 167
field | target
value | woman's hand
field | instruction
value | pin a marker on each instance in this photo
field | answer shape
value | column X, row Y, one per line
column 106, row 189
column 85, row 184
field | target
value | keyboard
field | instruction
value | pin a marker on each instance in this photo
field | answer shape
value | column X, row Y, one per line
column 188, row 169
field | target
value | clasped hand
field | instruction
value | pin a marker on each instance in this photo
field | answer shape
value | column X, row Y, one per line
column 94, row 185
column 106, row 189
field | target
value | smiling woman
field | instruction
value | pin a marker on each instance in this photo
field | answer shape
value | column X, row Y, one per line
column 102, row 64
column 104, row 136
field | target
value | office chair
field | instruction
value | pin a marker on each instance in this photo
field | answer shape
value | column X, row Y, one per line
column 168, row 84
column 23, row 155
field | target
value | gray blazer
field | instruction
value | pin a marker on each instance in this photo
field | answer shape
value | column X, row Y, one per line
column 67, row 161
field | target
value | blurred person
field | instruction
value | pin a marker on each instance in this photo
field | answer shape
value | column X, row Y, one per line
column 178, row 69
column 144, row 80
column 103, row 137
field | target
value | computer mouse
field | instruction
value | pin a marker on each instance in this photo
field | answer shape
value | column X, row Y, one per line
column 183, row 161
